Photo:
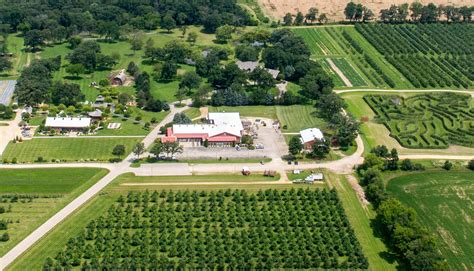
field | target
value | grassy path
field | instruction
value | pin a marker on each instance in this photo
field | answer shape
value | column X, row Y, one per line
column 360, row 219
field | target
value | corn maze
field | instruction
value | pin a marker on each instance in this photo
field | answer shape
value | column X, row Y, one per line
column 426, row 120
column 288, row 229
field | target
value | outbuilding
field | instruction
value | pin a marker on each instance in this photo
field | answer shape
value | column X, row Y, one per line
column 68, row 124
column 310, row 136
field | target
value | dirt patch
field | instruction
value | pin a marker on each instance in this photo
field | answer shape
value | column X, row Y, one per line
column 204, row 112
column 335, row 8
column 449, row 240
column 359, row 190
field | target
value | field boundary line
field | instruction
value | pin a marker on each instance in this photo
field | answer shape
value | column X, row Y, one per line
column 339, row 72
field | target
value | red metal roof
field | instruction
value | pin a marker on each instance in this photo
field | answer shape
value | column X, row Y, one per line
column 223, row 139
column 168, row 139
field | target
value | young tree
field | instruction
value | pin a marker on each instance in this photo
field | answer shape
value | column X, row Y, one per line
column 295, row 146
column 224, row 33
column 136, row 42
column 168, row 70
column 323, row 18
column 168, row 23
column 192, row 38
column 447, row 165
column 190, row 80
column 5, row 64
column 470, row 165
column 311, row 15
column 118, row 150
column 139, row 149
column 66, row 93
column 34, row 39
column 350, row 11
column 180, row 94
column 75, row 69
column 288, row 19
column 299, row 19
column 320, row 149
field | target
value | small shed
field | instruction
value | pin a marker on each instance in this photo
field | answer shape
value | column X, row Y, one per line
column 245, row 171
column 119, row 79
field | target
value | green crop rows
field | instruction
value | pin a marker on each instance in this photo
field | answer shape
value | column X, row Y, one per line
column 289, row 229
column 426, row 120
column 431, row 55
column 349, row 72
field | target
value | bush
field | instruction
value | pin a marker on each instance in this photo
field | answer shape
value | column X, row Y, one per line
column 5, row 237
column 448, row 165
column 14, row 161
column 115, row 160
column 39, row 159
column 470, row 165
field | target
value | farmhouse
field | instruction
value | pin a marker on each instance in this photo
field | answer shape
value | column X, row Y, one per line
column 310, row 136
column 249, row 66
column 222, row 129
column 68, row 124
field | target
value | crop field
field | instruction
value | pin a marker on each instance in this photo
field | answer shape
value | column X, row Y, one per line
column 30, row 196
column 444, row 203
column 66, row 149
column 428, row 55
column 334, row 76
column 200, row 230
column 319, row 41
column 351, row 74
column 426, row 120
column 365, row 61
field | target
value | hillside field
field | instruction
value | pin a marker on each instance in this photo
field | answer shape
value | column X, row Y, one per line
column 444, row 204
column 31, row 196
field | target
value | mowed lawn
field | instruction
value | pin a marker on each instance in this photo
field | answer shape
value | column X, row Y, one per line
column 360, row 218
column 66, row 149
column 52, row 189
column 444, row 204
column 43, row 180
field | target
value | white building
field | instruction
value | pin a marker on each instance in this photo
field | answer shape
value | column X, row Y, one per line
column 68, row 123
column 309, row 136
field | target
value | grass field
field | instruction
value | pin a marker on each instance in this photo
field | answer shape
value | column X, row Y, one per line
column 374, row 133
column 444, row 204
column 66, row 149
column 349, row 71
column 52, row 189
column 55, row 240
column 360, row 218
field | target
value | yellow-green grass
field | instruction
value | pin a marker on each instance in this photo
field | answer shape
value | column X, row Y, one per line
column 66, row 149
column 348, row 70
column 361, row 218
column 299, row 117
column 63, row 183
column 193, row 113
column 443, row 202
column 336, row 79
column 54, row 241
column 20, row 57
column 259, row 111
column 319, row 41
column 374, row 134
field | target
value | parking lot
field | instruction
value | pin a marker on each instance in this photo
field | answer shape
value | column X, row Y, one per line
column 273, row 142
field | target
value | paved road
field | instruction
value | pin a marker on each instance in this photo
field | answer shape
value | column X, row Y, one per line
column 7, row 93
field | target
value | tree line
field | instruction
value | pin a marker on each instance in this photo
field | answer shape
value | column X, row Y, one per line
column 413, row 244
column 415, row 12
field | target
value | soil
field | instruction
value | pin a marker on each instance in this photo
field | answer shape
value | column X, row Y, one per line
column 334, row 9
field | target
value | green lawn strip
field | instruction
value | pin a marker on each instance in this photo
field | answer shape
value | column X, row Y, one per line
column 54, row 241
column 443, row 203
column 66, row 149
column 361, row 218
column 259, row 111
column 334, row 76
column 349, row 71
column 237, row 177
column 16, row 47
column 128, row 127
column 65, row 183
column 193, row 113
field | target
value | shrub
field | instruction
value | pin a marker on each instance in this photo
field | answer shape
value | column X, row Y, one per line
column 447, row 165
column 5, row 237
column 470, row 165
column 14, row 161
